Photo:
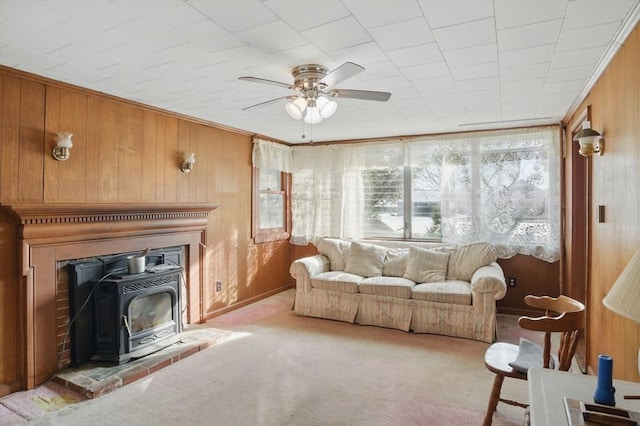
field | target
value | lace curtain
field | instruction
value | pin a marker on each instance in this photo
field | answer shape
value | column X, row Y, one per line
column 502, row 187
column 271, row 155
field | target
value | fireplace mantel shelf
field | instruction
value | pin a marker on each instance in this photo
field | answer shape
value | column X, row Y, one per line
column 31, row 213
column 75, row 222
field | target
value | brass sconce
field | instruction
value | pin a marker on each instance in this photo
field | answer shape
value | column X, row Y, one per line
column 189, row 161
column 590, row 141
column 63, row 144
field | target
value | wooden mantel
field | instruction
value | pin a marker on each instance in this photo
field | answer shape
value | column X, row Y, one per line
column 50, row 233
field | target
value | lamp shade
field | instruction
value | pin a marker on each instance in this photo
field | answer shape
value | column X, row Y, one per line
column 624, row 296
column 296, row 108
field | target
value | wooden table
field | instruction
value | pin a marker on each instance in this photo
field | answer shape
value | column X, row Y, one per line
column 548, row 388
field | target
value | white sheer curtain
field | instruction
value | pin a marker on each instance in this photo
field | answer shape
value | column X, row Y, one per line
column 502, row 187
column 327, row 188
column 271, row 155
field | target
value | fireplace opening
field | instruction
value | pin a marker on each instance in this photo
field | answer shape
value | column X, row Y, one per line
column 116, row 315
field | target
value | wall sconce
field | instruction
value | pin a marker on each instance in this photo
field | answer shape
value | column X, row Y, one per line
column 189, row 161
column 63, row 143
column 590, row 141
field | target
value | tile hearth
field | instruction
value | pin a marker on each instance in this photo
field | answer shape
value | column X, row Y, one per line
column 93, row 380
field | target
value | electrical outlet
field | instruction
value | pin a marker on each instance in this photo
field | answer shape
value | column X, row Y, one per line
column 218, row 285
column 512, row 282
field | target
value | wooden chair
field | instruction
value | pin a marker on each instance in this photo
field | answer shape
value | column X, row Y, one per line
column 569, row 319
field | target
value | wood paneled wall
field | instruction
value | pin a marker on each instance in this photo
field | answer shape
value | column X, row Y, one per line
column 123, row 153
column 615, row 178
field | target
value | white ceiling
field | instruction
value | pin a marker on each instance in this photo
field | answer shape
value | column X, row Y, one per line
column 451, row 65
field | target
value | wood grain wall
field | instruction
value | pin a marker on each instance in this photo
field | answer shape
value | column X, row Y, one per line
column 125, row 153
column 614, row 183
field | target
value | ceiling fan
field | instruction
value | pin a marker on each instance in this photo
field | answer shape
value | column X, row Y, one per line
column 314, row 91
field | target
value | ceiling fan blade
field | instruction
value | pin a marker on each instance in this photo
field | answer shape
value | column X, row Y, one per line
column 265, row 81
column 267, row 102
column 343, row 72
column 367, row 95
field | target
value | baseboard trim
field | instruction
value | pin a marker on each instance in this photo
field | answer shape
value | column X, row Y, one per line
column 246, row 302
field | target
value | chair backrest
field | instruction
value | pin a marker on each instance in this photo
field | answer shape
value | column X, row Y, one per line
column 562, row 314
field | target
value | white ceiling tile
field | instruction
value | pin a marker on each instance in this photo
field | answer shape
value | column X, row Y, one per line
column 27, row 59
column 235, row 15
column 438, row 83
column 458, row 36
column 296, row 13
column 597, row 12
column 529, row 35
column 164, row 14
column 423, row 71
column 447, row 13
column 534, row 84
column 423, row 54
column 524, row 72
column 582, row 38
column 381, row 12
column 471, row 55
column 379, row 70
column 530, row 97
column 402, row 34
column 362, row 54
column 337, row 35
column 475, row 71
column 209, row 36
column 524, row 56
column 579, row 57
column 478, row 84
column 572, row 86
column 515, row 13
column 570, row 73
column 272, row 37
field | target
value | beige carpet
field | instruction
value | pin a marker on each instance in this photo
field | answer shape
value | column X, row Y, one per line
column 277, row 368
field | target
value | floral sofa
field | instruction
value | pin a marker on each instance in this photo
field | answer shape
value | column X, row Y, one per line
column 411, row 286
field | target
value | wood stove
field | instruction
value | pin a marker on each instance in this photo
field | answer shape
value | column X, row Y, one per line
column 116, row 315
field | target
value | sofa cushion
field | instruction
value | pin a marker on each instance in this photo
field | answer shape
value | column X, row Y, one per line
column 336, row 250
column 455, row 292
column 336, row 281
column 387, row 286
column 365, row 259
column 426, row 266
column 467, row 258
column 395, row 263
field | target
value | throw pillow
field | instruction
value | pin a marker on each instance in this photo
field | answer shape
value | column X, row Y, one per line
column 336, row 250
column 426, row 266
column 395, row 264
column 365, row 259
column 467, row 258
column 529, row 355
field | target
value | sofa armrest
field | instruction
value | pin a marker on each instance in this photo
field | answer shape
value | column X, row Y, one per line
column 489, row 279
column 303, row 269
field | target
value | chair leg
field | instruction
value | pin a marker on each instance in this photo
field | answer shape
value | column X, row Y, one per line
column 493, row 399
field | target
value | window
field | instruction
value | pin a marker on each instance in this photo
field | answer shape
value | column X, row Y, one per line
column 270, row 205
column 502, row 187
column 402, row 202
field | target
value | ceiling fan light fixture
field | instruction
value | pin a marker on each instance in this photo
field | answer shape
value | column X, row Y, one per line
column 313, row 115
column 327, row 107
column 296, row 107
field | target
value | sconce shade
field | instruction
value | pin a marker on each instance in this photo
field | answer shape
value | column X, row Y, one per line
column 624, row 296
column 63, row 144
column 189, row 161
column 590, row 141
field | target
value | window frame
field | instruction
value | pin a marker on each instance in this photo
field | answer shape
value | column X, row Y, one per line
column 260, row 235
